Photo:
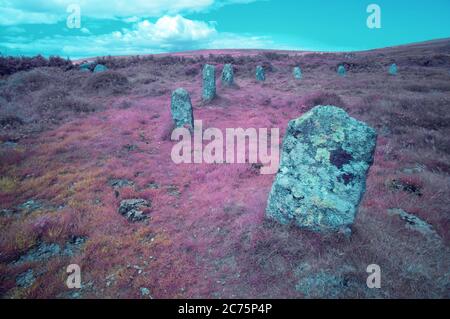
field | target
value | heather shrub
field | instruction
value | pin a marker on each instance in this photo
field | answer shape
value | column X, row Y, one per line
column 30, row 81
column 107, row 81
column 10, row 65
column 10, row 116
column 56, row 99
column 322, row 98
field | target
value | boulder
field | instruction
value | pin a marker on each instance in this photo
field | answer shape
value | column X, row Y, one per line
column 209, row 82
column 86, row 66
column 100, row 68
column 260, row 73
column 181, row 108
column 297, row 73
column 326, row 155
column 227, row 75
column 133, row 209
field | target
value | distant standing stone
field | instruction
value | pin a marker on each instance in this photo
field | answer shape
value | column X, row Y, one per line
column 326, row 155
column 181, row 108
column 100, row 68
column 393, row 69
column 209, row 82
column 260, row 73
column 227, row 75
column 341, row 70
column 297, row 72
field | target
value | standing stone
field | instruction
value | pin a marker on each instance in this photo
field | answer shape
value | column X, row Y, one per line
column 260, row 73
column 209, row 82
column 326, row 155
column 297, row 72
column 227, row 75
column 181, row 108
column 393, row 69
column 341, row 70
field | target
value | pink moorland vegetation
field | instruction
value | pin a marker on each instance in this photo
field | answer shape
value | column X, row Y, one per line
column 66, row 134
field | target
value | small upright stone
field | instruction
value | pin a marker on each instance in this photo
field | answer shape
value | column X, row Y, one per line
column 181, row 108
column 297, row 72
column 326, row 155
column 393, row 69
column 227, row 75
column 260, row 73
column 209, row 82
column 341, row 70
column 100, row 68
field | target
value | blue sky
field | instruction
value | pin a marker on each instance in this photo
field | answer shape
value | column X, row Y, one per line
column 120, row 27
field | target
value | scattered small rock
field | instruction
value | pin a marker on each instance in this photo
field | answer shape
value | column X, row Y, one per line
column 415, row 223
column 25, row 279
column 145, row 292
column 120, row 183
column 405, row 186
column 30, row 206
column 152, row 185
column 132, row 209
column 45, row 251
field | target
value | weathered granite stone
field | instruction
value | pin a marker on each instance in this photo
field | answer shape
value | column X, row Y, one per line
column 25, row 279
column 100, row 68
column 132, row 209
column 209, row 82
column 341, row 70
column 326, row 155
column 86, row 66
column 260, row 73
column 227, row 75
column 297, row 73
column 393, row 69
column 181, row 108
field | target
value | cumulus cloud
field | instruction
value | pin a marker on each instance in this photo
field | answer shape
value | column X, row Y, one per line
column 167, row 34
column 49, row 11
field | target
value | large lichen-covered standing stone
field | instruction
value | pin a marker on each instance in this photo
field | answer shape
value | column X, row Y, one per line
column 260, row 73
column 227, row 75
column 297, row 73
column 209, row 82
column 326, row 155
column 341, row 71
column 181, row 108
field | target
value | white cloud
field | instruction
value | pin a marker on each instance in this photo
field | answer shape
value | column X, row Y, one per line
column 167, row 34
column 49, row 11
